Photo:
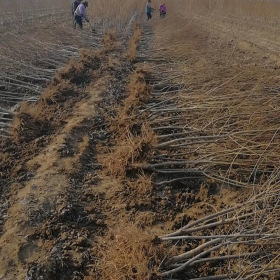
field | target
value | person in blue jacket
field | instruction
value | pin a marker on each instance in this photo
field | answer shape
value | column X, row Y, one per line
column 149, row 10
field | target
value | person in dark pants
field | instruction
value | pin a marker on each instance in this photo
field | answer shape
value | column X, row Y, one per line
column 149, row 10
column 80, row 14
column 74, row 6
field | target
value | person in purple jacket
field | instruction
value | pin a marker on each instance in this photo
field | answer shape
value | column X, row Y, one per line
column 80, row 14
column 162, row 10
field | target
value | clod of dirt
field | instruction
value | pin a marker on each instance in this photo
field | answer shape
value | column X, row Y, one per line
column 26, row 251
column 59, row 93
column 28, row 126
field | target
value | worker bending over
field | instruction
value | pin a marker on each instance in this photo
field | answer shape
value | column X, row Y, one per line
column 80, row 14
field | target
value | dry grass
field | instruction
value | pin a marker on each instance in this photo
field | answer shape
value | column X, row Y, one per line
column 59, row 92
column 33, row 120
column 142, row 185
column 254, row 9
column 128, row 253
column 17, row 5
column 128, row 152
column 138, row 93
column 29, row 123
column 110, row 40
column 133, row 43
column 79, row 71
column 114, row 14
column 133, row 135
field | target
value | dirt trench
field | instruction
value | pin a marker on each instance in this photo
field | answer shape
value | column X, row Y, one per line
column 71, row 209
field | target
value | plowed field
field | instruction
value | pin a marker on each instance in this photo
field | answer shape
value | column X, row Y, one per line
column 152, row 155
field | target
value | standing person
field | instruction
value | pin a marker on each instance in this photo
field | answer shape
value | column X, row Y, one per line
column 80, row 14
column 149, row 10
column 74, row 6
column 162, row 10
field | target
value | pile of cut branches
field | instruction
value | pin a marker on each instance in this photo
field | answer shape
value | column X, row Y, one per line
column 243, row 240
column 219, row 126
